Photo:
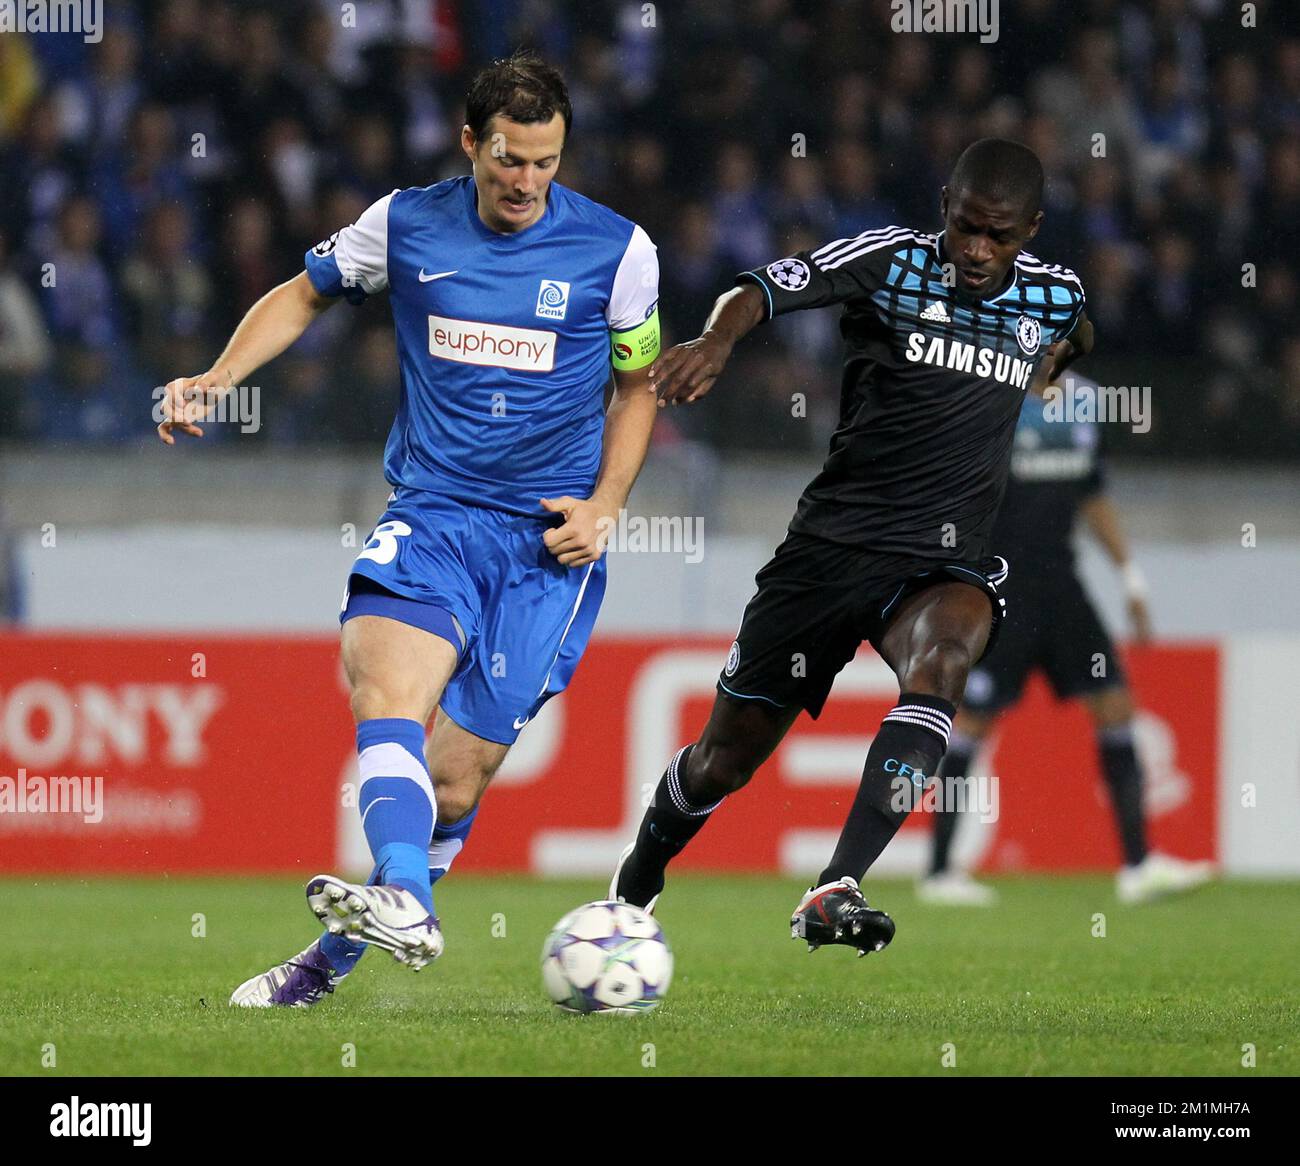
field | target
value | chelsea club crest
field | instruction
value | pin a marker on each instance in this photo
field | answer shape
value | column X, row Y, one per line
column 1030, row 333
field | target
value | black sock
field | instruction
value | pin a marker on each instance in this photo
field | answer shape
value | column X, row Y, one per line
column 1123, row 770
column 955, row 763
column 669, row 824
column 905, row 752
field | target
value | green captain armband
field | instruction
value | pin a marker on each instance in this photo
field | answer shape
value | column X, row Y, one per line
column 637, row 347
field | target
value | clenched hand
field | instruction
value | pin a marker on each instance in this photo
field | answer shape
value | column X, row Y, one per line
column 585, row 532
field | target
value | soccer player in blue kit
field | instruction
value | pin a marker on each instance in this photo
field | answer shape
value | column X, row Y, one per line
column 476, row 593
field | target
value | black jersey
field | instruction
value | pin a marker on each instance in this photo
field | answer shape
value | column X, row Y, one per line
column 1056, row 465
column 933, row 382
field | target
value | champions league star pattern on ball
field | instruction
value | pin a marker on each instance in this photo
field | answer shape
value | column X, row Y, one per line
column 607, row 957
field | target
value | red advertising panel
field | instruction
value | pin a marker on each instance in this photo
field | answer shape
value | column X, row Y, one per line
column 169, row 754
column 233, row 754
column 1055, row 812
column 635, row 702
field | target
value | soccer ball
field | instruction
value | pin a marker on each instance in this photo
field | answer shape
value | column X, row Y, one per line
column 606, row 957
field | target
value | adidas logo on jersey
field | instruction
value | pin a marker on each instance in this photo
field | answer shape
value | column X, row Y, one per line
column 936, row 313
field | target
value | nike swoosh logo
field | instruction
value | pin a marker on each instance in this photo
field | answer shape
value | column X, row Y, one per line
column 520, row 722
column 436, row 275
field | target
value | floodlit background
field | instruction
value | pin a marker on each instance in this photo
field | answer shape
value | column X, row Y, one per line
column 174, row 609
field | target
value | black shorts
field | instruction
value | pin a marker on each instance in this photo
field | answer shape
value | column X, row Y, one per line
column 817, row 601
column 1056, row 628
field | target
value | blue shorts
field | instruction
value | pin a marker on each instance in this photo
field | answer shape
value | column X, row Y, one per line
column 523, row 618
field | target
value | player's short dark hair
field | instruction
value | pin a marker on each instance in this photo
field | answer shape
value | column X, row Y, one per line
column 522, row 87
column 1000, row 170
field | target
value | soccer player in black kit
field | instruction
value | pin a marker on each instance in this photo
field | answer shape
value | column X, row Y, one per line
column 890, row 542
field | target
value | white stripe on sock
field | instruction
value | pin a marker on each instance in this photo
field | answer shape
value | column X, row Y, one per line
column 941, row 722
column 678, row 796
column 389, row 759
column 443, row 851
column 927, row 718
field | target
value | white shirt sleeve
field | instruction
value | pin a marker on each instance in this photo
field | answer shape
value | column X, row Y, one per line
column 361, row 250
column 636, row 284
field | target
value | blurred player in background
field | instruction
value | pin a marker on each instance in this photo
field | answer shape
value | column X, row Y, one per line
column 1057, row 476
column 891, row 541
column 477, row 591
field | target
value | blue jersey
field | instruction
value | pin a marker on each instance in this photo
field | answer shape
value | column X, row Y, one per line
column 503, row 339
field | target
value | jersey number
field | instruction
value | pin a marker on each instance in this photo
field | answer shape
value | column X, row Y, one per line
column 384, row 537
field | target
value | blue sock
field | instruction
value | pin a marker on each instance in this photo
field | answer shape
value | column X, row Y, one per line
column 342, row 953
column 397, row 803
column 447, row 843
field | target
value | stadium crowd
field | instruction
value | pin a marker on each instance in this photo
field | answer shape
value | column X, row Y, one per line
column 156, row 183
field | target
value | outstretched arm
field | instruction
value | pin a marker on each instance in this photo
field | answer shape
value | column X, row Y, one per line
column 270, row 326
column 686, row 372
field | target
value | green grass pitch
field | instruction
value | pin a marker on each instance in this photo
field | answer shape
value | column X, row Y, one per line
column 111, row 974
